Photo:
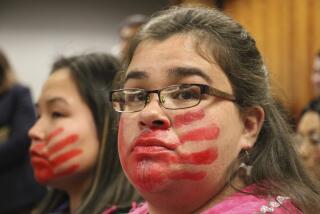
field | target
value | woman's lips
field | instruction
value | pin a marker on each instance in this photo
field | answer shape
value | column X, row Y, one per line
column 154, row 141
column 39, row 162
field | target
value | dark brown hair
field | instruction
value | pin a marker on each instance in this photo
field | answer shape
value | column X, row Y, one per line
column 274, row 160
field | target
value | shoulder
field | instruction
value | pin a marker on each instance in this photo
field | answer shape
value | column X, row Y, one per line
column 242, row 203
column 134, row 208
column 18, row 88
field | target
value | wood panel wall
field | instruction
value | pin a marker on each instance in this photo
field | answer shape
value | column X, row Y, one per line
column 287, row 33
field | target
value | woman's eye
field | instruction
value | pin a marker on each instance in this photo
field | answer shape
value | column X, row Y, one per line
column 185, row 95
column 135, row 97
column 56, row 114
column 315, row 138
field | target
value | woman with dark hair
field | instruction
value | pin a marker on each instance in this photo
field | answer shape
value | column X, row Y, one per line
column 19, row 190
column 309, row 134
column 73, row 147
column 199, row 130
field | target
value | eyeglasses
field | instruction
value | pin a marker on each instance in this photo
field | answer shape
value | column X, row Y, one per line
column 172, row 97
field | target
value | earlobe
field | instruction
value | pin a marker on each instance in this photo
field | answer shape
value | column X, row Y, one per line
column 252, row 122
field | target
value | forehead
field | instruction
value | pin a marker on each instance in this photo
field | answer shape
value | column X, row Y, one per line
column 309, row 122
column 60, row 84
column 160, row 57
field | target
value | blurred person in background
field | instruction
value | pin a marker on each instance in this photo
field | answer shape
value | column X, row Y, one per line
column 315, row 77
column 18, row 189
column 309, row 137
column 74, row 143
column 128, row 28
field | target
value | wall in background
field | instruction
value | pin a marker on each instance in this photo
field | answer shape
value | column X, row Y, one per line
column 35, row 32
column 288, row 34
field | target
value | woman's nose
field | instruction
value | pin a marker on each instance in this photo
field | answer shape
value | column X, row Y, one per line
column 37, row 133
column 153, row 115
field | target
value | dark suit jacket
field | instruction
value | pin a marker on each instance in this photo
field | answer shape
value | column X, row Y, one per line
column 18, row 188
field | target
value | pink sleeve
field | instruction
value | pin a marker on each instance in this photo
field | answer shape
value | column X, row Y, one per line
column 140, row 209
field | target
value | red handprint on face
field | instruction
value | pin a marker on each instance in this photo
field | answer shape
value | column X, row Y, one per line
column 50, row 157
column 155, row 154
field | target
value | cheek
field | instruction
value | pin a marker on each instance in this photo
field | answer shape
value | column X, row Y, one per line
column 188, row 118
column 55, row 133
column 151, row 171
column 42, row 168
column 55, row 161
column 208, row 133
column 121, row 143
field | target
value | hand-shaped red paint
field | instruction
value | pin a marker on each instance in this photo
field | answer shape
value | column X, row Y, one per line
column 46, row 156
column 187, row 118
column 156, row 150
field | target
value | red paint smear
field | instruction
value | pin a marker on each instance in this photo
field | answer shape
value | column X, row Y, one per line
column 42, row 169
column 39, row 162
column 207, row 133
column 203, row 157
column 146, row 176
column 54, row 133
column 183, row 175
column 156, row 138
column 38, row 150
column 65, row 157
column 43, row 175
column 152, row 134
column 187, row 118
column 68, row 171
column 61, row 144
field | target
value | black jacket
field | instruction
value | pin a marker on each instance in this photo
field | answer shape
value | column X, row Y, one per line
column 18, row 188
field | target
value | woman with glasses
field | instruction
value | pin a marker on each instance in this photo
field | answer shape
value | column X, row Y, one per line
column 199, row 131
column 309, row 134
column 74, row 144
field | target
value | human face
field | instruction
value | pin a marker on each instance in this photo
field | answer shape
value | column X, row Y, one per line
column 309, row 126
column 126, row 35
column 315, row 77
column 185, row 152
column 64, row 138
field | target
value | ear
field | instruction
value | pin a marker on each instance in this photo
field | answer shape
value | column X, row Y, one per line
column 252, row 118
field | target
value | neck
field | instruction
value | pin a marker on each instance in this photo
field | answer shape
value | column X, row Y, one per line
column 77, row 191
column 185, row 204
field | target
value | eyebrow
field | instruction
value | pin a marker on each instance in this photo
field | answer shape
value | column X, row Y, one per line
column 177, row 73
column 136, row 75
column 53, row 100
column 50, row 102
column 181, row 72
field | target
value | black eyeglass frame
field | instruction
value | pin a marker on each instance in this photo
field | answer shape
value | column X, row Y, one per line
column 204, row 89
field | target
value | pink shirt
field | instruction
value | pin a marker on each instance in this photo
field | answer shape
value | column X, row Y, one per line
column 240, row 203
